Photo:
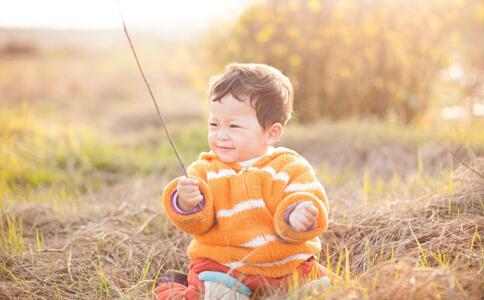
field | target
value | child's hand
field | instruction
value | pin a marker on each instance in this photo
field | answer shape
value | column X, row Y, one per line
column 304, row 216
column 188, row 193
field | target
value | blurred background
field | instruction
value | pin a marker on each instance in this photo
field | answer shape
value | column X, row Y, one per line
column 401, row 60
column 377, row 83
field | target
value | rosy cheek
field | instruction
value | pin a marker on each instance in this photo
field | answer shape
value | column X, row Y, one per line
column 211, row 137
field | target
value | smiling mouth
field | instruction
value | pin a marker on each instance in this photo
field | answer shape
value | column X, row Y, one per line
column 225, row 148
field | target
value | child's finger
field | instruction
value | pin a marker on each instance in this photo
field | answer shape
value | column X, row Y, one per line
column 307, row 218
column 199, row 198
column 307, row 215
column 309, row 207
column 303, row 220
column 195, row 180
column 192, row 194
column 297, row 225
column 312, row 210
column 308, row 221
column 306, row 204
column 188, row 189
column 303, row 224
column 187, row 183
column 306, row 209
column 194, row 200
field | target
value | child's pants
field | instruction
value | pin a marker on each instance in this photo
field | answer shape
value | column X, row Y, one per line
column 258, row 284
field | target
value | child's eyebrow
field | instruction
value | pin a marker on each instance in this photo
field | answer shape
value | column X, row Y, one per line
column 228, row 119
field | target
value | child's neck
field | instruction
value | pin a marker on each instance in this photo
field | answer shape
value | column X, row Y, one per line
column 248, row 163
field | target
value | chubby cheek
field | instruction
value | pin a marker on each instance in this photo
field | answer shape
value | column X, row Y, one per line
column 211, row 140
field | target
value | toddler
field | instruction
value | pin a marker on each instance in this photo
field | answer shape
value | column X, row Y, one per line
column 254, row 210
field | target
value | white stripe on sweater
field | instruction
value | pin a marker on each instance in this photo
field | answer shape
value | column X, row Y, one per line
column 299, row 187
column 316, row 243
column 277, row 176
column 220, row 174
column 259, row 241
column 249, row 204
column 230, row 172
column 299, row 256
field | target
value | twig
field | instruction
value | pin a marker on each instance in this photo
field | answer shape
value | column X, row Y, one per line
column 151, row 92
column 69, row 260
column 457, row 158
column 63, row 249
column 146, row 223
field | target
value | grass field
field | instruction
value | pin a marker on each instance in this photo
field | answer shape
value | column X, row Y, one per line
column 83, row 162
column 81, row 216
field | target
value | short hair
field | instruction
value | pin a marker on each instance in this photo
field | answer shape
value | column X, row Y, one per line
column 268, row 91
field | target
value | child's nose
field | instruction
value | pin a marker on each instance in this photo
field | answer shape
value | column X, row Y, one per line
column 222, row 135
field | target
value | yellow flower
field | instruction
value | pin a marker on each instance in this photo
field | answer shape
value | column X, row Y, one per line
column 279, row 49
column 295, row 60
column 315, row 44
column 265, row 34
column 314, row 5
column 480, row 12
column 369, row 29
column 293, row 32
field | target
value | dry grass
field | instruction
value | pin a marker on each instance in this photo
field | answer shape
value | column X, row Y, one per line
column 425, row 248
column 402, row 223
column 107, row 251
column 76, row 222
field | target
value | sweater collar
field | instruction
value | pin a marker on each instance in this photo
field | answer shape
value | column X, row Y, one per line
column 248, row 163
column 257, row 162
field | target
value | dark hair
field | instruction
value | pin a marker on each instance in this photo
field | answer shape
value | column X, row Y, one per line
column 268, row 91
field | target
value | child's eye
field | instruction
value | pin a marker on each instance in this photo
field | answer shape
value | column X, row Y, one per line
column 234, row 126
column 213, row 124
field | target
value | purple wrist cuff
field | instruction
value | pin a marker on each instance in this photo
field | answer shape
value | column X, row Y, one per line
column 288, row 212
column 178, row 210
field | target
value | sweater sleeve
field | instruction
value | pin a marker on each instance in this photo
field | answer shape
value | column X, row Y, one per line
column 200, row 221
column 301, row 186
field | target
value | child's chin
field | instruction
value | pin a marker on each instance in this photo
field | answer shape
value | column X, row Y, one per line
column 226, row 159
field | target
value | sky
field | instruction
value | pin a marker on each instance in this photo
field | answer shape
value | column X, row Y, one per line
column 104, row 14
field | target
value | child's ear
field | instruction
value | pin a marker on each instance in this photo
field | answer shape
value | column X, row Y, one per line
column 274, row 134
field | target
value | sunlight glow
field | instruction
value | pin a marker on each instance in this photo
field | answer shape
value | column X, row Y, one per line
column 104, row 14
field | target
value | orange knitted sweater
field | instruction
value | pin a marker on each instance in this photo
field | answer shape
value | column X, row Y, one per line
column 242, row 222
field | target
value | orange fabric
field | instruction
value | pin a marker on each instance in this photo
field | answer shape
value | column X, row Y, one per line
column 259, row 284
column 242, row 223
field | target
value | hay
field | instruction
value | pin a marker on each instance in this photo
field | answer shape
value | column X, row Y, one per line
column 119, row 252
column 428, row 247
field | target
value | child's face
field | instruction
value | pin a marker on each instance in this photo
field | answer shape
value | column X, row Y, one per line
column 234, row 133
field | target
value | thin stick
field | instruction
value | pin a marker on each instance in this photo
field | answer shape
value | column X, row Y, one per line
column 457, row 158
column 151, row 93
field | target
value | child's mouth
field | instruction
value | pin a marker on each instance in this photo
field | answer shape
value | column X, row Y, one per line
column 226, row 148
